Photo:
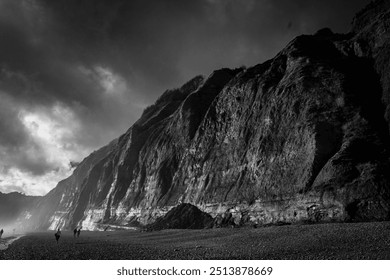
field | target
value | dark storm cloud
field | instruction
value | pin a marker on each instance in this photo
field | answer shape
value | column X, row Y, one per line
column 79, row 72
column 158, row 44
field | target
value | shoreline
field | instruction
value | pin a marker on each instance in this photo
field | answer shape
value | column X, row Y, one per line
column 6, row 242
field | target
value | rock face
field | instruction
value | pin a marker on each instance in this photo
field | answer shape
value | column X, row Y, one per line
column 14, row 205
column 301, row 137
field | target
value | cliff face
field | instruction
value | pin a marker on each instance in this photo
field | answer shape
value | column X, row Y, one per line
column 14, row 205
column 301, row 137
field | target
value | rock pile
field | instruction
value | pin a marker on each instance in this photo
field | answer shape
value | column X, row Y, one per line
column 183, row 216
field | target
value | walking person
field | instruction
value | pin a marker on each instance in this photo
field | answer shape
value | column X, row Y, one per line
column 75, row 232
column 1, row 232
column 58, row 235
column 78, row 232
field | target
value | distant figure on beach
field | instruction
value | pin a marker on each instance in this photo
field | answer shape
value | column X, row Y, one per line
column 57, row 235
column 78, row 232
column 74, row 232
column 1, row 232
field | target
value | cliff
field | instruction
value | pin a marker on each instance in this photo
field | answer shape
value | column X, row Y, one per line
column 301, row 137
column 14, row 205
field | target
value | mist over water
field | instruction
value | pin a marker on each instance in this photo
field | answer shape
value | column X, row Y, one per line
column 12, row 229
column 12, row 232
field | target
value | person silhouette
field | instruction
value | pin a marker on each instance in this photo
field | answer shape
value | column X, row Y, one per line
column 1, row 232
column 58, row 235
column 78, row 232
column 75, row 232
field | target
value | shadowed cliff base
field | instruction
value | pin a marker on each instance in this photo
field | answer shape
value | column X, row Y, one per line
column 316, row 241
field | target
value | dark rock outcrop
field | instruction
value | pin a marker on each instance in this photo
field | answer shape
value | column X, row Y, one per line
column 301, row 137
column 183, row 216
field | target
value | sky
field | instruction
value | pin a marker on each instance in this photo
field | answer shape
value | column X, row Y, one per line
column 76, row 74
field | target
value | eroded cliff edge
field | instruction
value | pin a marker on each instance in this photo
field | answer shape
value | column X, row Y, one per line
column 301, row 137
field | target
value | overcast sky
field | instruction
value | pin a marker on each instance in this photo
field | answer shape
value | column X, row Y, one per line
column 75, row 74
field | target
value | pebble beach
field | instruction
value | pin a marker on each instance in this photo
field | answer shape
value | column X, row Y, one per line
column 297, row 242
